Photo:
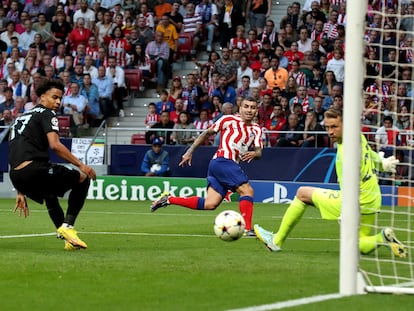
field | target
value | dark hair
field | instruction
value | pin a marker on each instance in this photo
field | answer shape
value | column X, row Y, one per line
column 400, row 153
column 216, row 96
column 388, row 118
column 209, row 57
column 10, row 22
column 187, row 114
column 113, row 32
column 51, row 84
column 250, row 99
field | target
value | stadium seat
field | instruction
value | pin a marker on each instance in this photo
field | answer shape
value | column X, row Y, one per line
column 368, row 133
column 149, row 80
column 64, row 126
column 49, row 47
column 327, row 142
column 133, row 79
column 185, row 43
column 138, row 139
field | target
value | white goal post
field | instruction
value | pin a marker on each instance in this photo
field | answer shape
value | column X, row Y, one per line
column 379, row 272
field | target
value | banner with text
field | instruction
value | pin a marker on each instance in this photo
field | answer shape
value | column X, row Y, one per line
column 129, row 188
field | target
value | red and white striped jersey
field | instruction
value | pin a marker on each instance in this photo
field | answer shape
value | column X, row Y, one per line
column 243, row 44
column 342, row 19
column 92, row 52
column 256, row 46
column 299, row 76
column 380, row 93
column 236, row 137
column 58, row 62
column 202, row 125
column 119, row 48
column 67, row 91
column 190, row 22
column 151, row 119
column 336, row 2
column 330, row 30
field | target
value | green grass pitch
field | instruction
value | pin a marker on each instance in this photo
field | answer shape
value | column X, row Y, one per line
column 169, row 260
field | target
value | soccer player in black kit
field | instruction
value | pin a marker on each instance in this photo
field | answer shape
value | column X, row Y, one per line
column 34, row 176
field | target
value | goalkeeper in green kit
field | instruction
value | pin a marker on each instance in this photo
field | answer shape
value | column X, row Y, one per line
column 329, row 201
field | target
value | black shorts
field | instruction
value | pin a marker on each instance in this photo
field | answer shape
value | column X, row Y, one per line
column 40, row 180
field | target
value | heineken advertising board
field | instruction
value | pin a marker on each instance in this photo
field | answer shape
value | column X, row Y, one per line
column 130, row 188
column 144, row 188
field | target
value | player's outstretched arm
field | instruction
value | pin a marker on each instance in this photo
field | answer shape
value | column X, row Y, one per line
column 65, row 154
column 188, row 155
column 385, row 164
column 21, row 205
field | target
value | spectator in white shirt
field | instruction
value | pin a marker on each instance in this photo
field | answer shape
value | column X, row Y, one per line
column 87, row 14
column 27, row 37
column 304, row 42
column 337, row 65
column 74, row 104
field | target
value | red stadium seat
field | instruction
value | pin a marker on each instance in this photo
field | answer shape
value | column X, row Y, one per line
column 133, row 78
column 138, row 139
column 64, row 126
column 185, row 43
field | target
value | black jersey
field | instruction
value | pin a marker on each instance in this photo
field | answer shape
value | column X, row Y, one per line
column 28, row 139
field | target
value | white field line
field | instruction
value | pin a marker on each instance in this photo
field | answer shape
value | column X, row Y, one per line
column 148, row 213
column 34, row 235
column 291, row 303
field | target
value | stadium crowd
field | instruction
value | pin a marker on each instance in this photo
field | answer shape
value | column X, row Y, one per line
column 294, row 69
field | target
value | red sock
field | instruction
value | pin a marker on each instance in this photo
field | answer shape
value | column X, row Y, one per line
column 246, row 209
column 190, row 202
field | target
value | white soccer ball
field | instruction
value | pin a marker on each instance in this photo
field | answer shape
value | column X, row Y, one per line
column 155, row 168
column 229, row 226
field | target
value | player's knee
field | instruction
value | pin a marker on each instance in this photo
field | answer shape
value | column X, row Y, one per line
column 304, row 194
column 84, row 182
column 245, row 190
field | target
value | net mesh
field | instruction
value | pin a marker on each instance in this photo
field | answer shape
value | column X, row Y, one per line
column 388, row 98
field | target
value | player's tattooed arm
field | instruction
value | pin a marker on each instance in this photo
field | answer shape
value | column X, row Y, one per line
column 187, row 156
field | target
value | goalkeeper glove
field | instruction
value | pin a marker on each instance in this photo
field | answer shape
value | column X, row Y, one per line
column 388, row 164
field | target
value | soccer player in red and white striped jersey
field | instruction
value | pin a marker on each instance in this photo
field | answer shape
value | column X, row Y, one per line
column 240, row 140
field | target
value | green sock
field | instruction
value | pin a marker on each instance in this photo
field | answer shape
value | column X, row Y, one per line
column 369, row 243
column 292, row 216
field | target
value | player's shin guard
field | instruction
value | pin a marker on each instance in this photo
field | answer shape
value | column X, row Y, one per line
column 190, row 202
column 246, row 209
column 76, row 200
column 292, row 216
column 368, row 242
column 55, row 211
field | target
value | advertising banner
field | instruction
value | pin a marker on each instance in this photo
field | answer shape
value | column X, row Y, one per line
column 128, row 188
column 95, row 152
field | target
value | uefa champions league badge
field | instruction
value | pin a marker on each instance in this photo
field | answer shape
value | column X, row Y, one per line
column 55, row 123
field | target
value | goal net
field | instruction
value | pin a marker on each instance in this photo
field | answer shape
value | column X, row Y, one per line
column 387, row 105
